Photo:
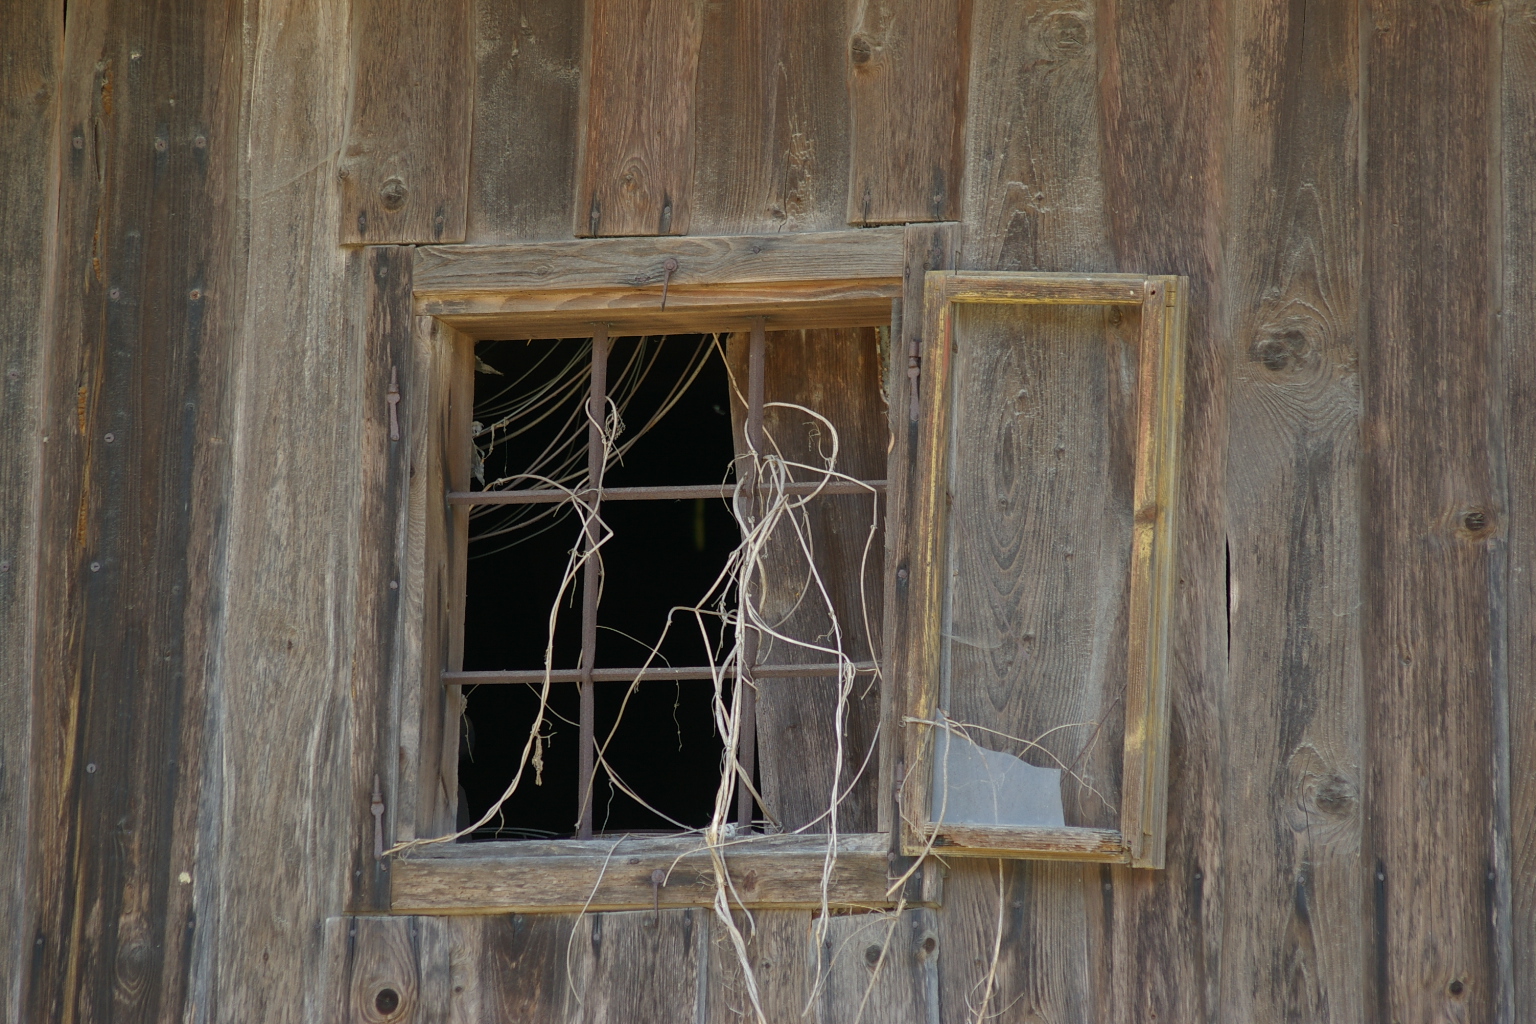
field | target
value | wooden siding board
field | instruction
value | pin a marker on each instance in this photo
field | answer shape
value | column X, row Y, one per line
column 379, row 313
column 1427, row 359
column 1162, row 118
column 639, row 967
column 908, row 69
column 134, row 475
column 522, row 158
column 404, row 166
column 279, row 814
column 837, row 374
column 30, row 84
column 781, row 952
column 635, row 171
column 872, row 967
column 1518, row 398
column 771, row 141
column 1293, row 934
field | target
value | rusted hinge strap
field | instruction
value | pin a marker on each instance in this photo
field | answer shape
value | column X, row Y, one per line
column 376, row 807
column 393, row 398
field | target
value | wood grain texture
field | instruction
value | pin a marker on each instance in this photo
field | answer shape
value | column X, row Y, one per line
column 639, row 967
column 837, row 374
column 147, row 288
column 278, row 819
column 569, row 875
column 771, row 135
column 928, row 247
column 1293, row 932
column 404, row 166
column 1427, row 358
column 877, row 967
column 1034, row 190
column 522, row 158
column 380, row 320
column 1162, row 116
column 908, row 70
column 1518, row 401
column 781, row 953
column 510, row 967
column 30, row 81
column 390, row 970
column 635, row 169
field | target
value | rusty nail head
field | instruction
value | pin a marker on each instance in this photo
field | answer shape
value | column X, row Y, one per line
column 110, row 438
column 78, row 142
column 199, row 142
column 95, row 567
column 115, row 293
column 5, row 566
column 90, row 769
column 195, row 294
column 159, row 145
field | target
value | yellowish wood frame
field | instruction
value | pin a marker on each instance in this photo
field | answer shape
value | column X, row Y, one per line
column 1140, row 840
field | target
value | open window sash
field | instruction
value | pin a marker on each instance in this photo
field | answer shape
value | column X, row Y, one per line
column 967, row 785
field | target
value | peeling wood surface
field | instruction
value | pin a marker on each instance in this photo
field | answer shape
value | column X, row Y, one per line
column 404, row 164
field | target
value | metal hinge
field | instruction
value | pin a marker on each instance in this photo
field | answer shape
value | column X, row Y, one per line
column 914, row 373
column 393, row 398
column 376, row 808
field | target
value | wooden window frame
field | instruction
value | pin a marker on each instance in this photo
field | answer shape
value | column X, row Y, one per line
column 1141, row 839
column 463, row 294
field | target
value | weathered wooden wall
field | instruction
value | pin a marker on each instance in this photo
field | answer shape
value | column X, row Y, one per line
column 190, row 583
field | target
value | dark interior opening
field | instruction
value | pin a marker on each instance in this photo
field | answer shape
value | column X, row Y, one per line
column 663, row 554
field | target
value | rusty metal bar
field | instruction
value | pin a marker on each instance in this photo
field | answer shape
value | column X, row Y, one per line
column 549, row 496
column 597, row 414
column 746, row 748
column 626, row 675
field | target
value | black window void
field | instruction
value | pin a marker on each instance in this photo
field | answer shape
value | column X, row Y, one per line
column 672, row 396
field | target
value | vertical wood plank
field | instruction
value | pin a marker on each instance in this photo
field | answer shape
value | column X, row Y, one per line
column 1429, row 508
column 405, row 160
column 397, row 970
column 906, row 96
column 873, row 968
column 133, row 479
column 522, row 159
column 520, row 971
column 928, row 247
column 1034, row 190
column 635, row 172
column 30, row 167
column 639, row 967
column 382, row 323
column 782, row 956
column 771, row 142
column 837, row 373
column 1293, row 933
column 1518, row 372
column 280, row 815
column 1162, row 116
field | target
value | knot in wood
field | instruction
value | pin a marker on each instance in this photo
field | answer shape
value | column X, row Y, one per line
column 393, row 193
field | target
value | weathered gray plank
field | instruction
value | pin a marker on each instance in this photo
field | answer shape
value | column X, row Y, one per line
column 1034, row 191
column 781, row 953
column 878, row 967
column 1519, row 429
column 1429, row 509
column 906, row 90
column 405, row 160
column 395, row 969
column 380, row 319
column 771, row 135
column 134, row 473
column 1162, row 113
column 836, row 373
column 282, row 785
column 522, row 158
column 1293, row 933
column 639, row 967
column 635, row 172
column 29, row 167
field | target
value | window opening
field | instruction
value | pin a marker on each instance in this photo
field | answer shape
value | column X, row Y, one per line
column 664, row 533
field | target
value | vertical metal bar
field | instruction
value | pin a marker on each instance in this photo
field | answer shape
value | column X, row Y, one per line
column 597, row 409
column 746, row 750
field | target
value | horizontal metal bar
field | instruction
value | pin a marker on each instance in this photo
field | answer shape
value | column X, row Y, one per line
column 625, row 675
column 550, row 496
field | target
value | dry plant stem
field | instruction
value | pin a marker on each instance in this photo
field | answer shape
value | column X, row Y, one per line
column 592, row 580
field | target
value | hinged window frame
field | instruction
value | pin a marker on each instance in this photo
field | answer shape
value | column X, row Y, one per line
column 1141, row 839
